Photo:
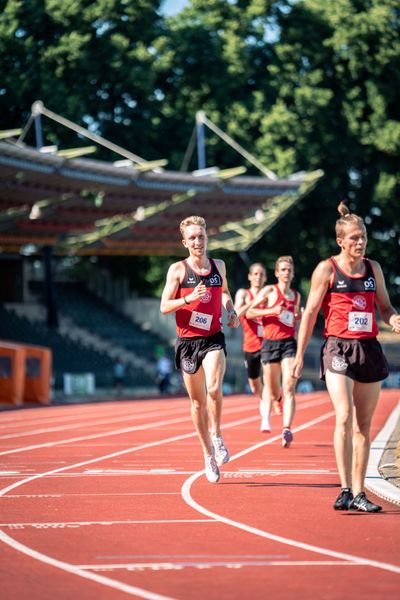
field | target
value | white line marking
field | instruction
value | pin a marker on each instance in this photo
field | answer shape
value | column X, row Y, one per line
column 85, row 523
column 74, row 570
column 86, row 424
column 185, row 490
column 169, row 566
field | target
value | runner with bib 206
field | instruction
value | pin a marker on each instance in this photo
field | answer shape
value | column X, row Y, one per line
column 195, row 290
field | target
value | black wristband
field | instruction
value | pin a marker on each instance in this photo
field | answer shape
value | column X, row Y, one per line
column 184, row 298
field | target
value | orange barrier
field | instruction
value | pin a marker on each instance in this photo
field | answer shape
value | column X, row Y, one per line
column 12, row 373
column 25, row 373
column 37, row 374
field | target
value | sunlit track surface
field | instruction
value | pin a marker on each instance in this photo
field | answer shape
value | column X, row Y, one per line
column 109, row 500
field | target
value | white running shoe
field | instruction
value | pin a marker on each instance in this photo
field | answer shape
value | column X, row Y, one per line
column 221, row 451
column 211, row 469
column 265, row 425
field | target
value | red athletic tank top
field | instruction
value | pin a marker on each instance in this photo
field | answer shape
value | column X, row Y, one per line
column 203, row 317
column 252, row 332
column 348, row 305
column 279, row 327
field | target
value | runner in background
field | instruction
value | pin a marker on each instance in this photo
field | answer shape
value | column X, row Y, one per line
column 279, row 307
column 252, row 329
column 195, row 290
column 347, row 287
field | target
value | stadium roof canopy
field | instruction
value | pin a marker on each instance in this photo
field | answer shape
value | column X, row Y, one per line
column 91, row 207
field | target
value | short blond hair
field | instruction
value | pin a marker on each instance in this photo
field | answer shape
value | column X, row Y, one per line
column 255, row 265
column 282, row 259
column 194, row 220
column 346, row 218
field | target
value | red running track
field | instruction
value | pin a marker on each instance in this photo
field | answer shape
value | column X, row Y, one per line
column 106, row 501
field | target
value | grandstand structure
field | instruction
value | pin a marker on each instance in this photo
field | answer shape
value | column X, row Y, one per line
column 57, row 203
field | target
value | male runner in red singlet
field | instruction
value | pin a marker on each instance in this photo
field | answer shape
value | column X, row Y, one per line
column 278, row 305
column 195, row 290
column 252, row 329
column 347, row 286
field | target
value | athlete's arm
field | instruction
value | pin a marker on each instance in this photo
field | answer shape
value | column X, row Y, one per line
column 169, row 302
column 387, row 311
column 227, row 303
column 262, row 298
column 242, row 302
column 319, row 285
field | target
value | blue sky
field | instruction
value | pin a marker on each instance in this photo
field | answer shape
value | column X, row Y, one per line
column 172, row 7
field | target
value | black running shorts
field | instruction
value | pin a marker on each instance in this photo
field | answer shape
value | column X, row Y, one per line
column 190, row 352
column 252, row 362
column 273, row 351
column 361, row 360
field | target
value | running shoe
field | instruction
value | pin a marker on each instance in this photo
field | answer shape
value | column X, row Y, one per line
column 344, row 499
column 265, row 424
column 211, row 469
column 361, row 503
column 287, row 437
column 221, row 451
column 278, row 406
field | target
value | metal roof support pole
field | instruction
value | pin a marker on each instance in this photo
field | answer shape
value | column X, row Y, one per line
column 38, row 130
column 201, row 145
column 52, row 316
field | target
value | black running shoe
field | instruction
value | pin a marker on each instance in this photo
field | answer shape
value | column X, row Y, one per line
column 344, row 499
column 361, row 503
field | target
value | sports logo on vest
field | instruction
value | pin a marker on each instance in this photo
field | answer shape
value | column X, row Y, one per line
column 369, row 284
column 359, row 302
column 215, row 280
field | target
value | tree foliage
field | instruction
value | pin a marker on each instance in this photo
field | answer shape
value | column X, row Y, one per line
column 302, row 84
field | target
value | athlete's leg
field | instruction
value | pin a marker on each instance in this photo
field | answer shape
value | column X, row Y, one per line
column 214, row 370
column 196, row 388
column 256, row 386
column 340, row 390
column 365, row 398
column 271, row 388
column 288, row 390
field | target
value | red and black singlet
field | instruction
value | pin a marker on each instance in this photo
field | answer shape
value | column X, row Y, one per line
column 203, row 317
column 348, row 305
column 252, row 331
column 280, row 327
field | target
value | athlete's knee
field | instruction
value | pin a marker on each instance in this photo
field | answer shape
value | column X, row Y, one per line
column 362, row 428
column 214, row 391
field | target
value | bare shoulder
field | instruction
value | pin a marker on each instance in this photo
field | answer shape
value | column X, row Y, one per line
column 323, row 270
column 220, row 265
column 377, row 269
column 176, row 270
column 266, row 290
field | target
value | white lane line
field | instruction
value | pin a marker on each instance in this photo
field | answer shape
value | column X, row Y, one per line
column 186, row 495
column 103, row 434
column 74, row 570
column 85, row 495
column 88, row 424
column 179, row 566
column 69, row 524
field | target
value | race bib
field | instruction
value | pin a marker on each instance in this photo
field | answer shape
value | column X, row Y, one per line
column 201, row 320
column 360, row 321
column 287, row 318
